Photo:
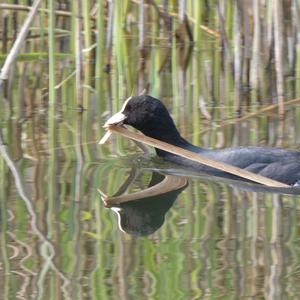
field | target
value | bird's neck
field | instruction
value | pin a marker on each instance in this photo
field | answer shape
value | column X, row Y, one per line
column 163, row 153
column 171, row 137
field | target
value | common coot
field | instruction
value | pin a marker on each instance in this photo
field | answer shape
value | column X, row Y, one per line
column 151, row 117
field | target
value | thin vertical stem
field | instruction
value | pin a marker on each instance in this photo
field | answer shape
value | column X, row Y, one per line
column 51, row 42
column 237, row 59
column 108, row 49
column 278, row 43
column 109, row 28
column 256, row 47
column 141, row 24
column 142, row 57
column 100, row 52
column 78, row 53
column 6, row 269
column 225, row 42
column 181, row 10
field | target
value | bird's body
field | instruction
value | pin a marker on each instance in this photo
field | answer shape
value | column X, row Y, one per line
column 151, row 117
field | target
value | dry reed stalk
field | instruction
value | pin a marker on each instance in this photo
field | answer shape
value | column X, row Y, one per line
column 141, row 43
column 78, row 54
column 197, row 157
column 11, row 57
column 181, row 10
column 254, row 76
column 278, row 44
column 223, row 34
column 254, row 114
column 141, row 25
column 19, row 7
column 238, row 60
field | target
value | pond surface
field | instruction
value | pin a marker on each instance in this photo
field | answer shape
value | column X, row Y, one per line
column 207, row 239
column 201, row 238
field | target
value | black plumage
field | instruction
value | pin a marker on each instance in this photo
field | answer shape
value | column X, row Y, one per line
column 151, row 117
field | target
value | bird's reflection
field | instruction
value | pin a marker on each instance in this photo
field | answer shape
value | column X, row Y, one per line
column 142, row 213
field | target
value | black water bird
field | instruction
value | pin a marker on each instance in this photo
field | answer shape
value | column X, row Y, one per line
column 150, row 116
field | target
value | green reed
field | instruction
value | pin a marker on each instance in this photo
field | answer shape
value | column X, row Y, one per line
column 125, row 74
column 4, row 227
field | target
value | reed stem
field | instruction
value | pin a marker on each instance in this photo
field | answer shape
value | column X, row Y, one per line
column 197, row 157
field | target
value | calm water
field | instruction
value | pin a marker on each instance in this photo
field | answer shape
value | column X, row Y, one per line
column 204, row 239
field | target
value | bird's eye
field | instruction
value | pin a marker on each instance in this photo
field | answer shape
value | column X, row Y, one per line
column 129, row 107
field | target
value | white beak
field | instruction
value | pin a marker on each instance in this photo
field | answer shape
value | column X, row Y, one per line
column 118, row 117
column 115, row 119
